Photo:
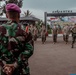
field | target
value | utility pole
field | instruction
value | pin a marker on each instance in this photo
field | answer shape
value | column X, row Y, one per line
column 45, row 19
column 0, row 3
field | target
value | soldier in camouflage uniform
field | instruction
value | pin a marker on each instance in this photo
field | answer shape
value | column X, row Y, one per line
column 35, row 33
column 43, row 34
column 73, row 30
column 66, row 32
column 15, row 46
column 55, row 33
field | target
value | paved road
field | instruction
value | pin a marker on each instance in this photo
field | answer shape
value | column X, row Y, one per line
column 53, row 59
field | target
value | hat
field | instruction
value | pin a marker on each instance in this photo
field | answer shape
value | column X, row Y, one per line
column 12, row 7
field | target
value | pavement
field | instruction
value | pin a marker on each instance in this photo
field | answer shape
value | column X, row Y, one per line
column 58, row 35
column 53, row 59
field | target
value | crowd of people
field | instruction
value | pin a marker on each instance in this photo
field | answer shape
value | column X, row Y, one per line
column 30, row 28
column 66, row 30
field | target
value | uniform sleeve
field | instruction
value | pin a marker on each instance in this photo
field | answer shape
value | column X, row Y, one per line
column 28, row 50
column 2, row 33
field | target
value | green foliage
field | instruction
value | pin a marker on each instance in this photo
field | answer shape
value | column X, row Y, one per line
column 18, row 2
column 27, row 13
column 48, row 26
column 49, row 31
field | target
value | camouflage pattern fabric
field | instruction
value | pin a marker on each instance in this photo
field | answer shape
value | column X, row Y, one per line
column 73, row 36
column 15, row 46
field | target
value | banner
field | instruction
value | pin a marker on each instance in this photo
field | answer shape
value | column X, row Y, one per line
column 54, row 19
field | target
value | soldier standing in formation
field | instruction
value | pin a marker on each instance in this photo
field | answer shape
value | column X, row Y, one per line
column 29, row 31
column 15, row 44
column 35, row 33
column 43, row 34
column 54, row 32
column 73, row 30
column 66, row 32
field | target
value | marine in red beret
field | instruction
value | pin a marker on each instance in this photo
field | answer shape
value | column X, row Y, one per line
column 16, row 46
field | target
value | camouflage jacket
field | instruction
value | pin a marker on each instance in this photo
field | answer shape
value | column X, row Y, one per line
column 15, row 46
column 73, row 30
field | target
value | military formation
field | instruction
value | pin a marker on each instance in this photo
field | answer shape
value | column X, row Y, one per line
column 66, row 31
column 17, row 41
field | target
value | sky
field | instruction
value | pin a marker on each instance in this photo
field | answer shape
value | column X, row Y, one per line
column 38, row 7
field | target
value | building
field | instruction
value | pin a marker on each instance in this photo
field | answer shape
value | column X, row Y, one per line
column 28, row 19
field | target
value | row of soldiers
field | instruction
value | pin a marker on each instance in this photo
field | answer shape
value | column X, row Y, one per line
column 36, row 32
column 66, row 31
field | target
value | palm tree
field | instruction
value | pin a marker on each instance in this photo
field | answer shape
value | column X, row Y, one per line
column 27, row 13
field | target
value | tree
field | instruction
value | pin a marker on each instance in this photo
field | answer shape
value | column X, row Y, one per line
column 18, row 2
column 1, row 9
column 27, row 13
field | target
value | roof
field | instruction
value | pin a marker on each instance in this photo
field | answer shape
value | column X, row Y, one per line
column 23, row 18
column 30, row 17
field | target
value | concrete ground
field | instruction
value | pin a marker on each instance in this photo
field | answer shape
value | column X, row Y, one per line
column 53, row 59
